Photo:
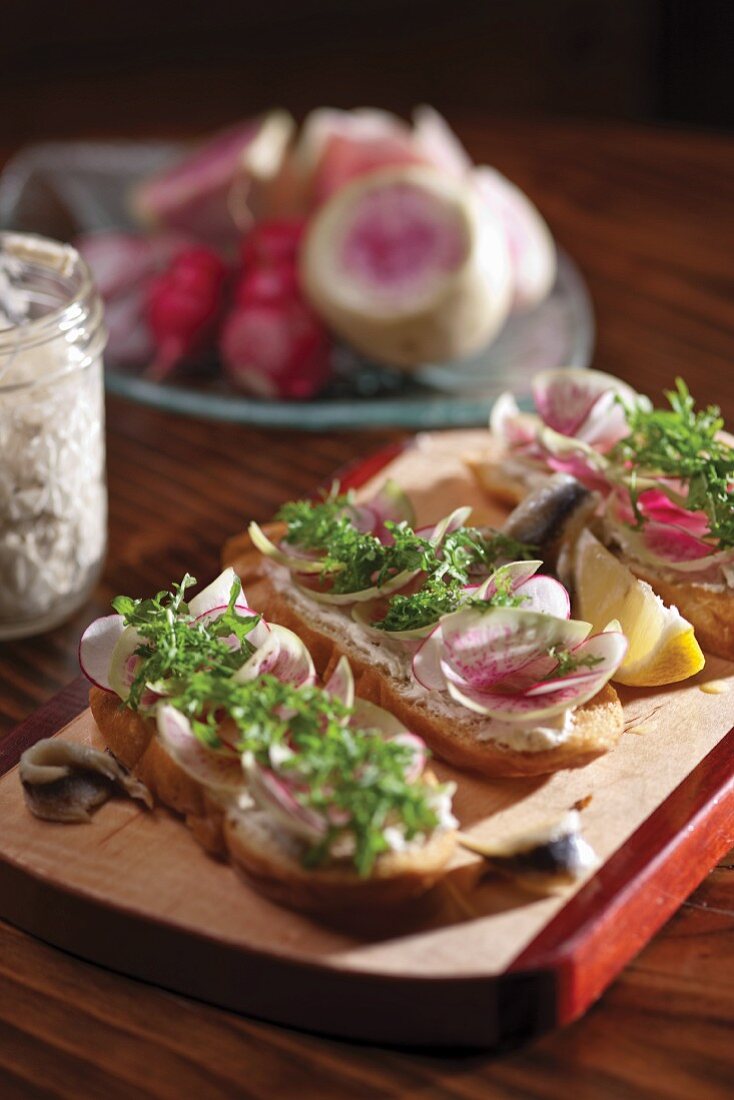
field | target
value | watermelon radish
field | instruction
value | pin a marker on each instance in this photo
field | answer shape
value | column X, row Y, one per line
column 402, row 264
column 233, row 170
column 530, row 244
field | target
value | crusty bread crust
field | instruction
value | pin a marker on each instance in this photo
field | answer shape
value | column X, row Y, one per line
column 398, row 877
column 597, row 726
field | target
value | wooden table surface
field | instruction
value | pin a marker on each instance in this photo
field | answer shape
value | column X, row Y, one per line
column 648, row 216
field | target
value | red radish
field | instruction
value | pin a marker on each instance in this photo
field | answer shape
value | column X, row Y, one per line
column 184, row 304
column 268, row 284
column 196, row 195
column 272, row 243
column 276, row 350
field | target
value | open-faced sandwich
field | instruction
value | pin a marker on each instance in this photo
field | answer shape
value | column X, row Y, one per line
column 664, row 478
column 452, row 628
column 324, row 801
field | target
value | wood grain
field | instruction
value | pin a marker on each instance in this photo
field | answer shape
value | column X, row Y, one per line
column 647, row 214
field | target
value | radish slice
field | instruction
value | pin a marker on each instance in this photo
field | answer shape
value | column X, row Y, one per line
column 292, row 561
column 446, row 526
column 403, row 264
column 427, row 668
column 368, row 716
column 193, row 195
column 218, row 769
column 340, row 684
column 439, row 144
column 283, row 655
column 545, row 595
column 342, row 598
column 508, row 424
column 487, row 647
column 273, row 795
column 216, row 594
column 123, row 662
column 568, row 400
column 419, row 754
column 363, row 613
column 389, row 504
column 550, row 698
column 96, row 648
column 529, row 241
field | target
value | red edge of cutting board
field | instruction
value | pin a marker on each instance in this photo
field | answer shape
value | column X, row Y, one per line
column 552, row 982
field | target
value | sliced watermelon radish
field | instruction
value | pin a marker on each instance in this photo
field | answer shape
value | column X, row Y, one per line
column 96, row 647
column 401, row 264
column 283, row 655
column 340, row 684
column 194, row 195
column 218, row 769
column 530, row 244
column 276, row 797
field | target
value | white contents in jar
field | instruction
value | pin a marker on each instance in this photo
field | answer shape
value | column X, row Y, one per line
column 53, row 502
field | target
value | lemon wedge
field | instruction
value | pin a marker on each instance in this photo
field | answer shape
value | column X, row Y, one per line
column 662, row 646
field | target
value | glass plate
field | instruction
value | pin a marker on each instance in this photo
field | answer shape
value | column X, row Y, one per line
column 61, row 189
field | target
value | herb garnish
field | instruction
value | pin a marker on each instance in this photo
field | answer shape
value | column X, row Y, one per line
column 682, row 443
column 175, row 646
column 355, row 561
column 568, row 662
column 354, row 777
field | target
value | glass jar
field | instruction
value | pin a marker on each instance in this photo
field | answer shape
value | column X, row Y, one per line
column 53, row 494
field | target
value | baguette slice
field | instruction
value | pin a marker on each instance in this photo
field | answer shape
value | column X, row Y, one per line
column 248, row 838
column 382, row 676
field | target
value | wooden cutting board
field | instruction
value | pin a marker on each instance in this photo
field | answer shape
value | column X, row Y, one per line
column 477, row 963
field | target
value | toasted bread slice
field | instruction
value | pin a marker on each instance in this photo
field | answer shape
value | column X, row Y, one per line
column 382, row 676
column 249, row 839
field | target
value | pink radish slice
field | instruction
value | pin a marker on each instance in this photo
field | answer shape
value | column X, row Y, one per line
column 530, row 244
column 283, row 655
column 193, row 194
column 566, row 399
column 548, row 699
column 96, row 648
column 484, row 648
column 436, row 141
column 340, row 684
column 545, row 595
column 419, row 755
column 273, row 795
column 123, row 662
column 217, row 769
column 400, row 240
column 508, row 424
column 216, row 594
column 674, row 544
column 294, row 560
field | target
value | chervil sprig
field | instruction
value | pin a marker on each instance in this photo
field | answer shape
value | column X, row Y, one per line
column 174, row 646
column 353, row 777
column 682, row 443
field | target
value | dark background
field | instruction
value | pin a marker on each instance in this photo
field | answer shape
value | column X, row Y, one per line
column 100, row 67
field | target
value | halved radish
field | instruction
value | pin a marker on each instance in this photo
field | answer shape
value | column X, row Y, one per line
column 96, row 648
column 403, row 265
